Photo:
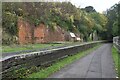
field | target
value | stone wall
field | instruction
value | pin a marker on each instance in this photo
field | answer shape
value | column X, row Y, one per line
column 116, row 43
column 40, row 58
column 57, row 34
column 39, row 33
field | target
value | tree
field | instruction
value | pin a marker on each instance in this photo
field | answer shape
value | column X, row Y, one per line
column 100, row 23
column 118, row 19
column 112, row 25
column 89, row 9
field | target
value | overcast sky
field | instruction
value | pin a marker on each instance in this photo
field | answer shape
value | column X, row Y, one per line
column 99, row 5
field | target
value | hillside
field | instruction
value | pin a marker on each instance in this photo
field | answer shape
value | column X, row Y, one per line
column 84, row 21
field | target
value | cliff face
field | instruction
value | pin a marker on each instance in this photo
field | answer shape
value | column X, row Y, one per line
column 42, row 34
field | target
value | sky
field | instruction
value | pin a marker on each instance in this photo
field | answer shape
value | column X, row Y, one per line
column 99, row 5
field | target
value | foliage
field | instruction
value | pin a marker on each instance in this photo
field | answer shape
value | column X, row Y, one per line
column 63, row 14
column 119, row 19
column 100, row 23
column 89, row 9
column 9, row 22
column 113, row 21
column 116, row 59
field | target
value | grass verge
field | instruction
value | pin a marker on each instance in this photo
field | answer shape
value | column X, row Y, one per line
column 116, row 59
column 44, row 73
column 17, row 48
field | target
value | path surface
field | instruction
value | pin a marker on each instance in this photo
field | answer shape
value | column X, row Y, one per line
column 98, row 64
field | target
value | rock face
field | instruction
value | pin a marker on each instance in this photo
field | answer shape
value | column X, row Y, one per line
column 40, row 34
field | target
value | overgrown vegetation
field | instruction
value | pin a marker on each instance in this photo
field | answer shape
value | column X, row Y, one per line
column 85, row 22
column 116, row 59
column 113, row 25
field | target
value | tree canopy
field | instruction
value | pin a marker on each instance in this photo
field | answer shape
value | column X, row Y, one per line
column 113, row 15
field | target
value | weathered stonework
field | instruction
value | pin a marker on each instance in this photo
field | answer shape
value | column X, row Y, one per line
column 40, row 58
column 24, row 32
column 41, row 33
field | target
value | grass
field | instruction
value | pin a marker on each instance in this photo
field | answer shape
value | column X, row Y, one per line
column 16, row 48
column 116, row 59
column 44, row 73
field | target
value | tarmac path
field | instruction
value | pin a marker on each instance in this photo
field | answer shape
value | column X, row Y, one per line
column 97, row 64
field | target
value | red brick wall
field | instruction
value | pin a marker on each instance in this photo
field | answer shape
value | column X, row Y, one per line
column 42, row 34
column 24, row 32
column 54, row 35
column 39, row 33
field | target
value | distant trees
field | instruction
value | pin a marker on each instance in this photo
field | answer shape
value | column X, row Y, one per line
column 100, row 23
column 113, row 21
column 119, row 19
column 89, row 9
column 91, row 22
